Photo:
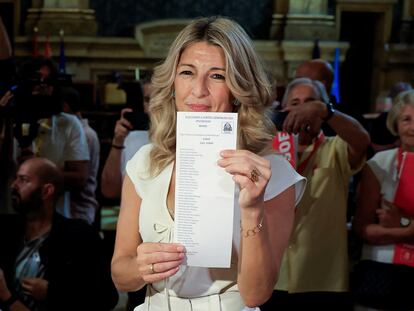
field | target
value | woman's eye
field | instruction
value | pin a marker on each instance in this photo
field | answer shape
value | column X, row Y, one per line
column 186, row 73
column 218, row 76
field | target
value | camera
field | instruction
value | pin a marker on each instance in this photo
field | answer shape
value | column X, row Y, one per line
column 31, row 102
column 36, row 95
column 138, row 120
column 278, row 117
column 36, row 91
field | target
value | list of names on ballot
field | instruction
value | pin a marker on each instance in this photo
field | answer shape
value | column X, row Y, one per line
column 204, row 194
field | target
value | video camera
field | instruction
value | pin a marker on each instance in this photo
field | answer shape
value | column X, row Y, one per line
column 31, row 101
column 36, row 95
column 138, row 120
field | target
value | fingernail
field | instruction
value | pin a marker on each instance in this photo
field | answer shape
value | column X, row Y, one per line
column 181, row 249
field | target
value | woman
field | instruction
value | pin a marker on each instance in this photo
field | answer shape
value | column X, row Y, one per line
column 211, row 67
column 382, row 280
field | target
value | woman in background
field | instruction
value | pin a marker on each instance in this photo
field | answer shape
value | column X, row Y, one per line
column 382, row 279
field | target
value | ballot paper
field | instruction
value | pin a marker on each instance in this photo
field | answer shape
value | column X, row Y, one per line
column 204, row 191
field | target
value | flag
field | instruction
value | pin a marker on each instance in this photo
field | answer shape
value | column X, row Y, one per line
column 35, row 46
column 316, row 51
column 62, row 59
column 335, row 86
column 48, row 49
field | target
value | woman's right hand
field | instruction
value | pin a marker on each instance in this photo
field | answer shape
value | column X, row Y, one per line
column 158, row 261
column 122, row 128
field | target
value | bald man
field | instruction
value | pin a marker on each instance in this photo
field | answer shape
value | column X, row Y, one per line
column 317, row 69
column 48, row 262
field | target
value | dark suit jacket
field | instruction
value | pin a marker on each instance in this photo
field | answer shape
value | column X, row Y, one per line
column 77, row 269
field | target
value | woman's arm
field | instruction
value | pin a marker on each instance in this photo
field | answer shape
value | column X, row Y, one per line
column 124, row 265
column 261, row 253
column 266, row 226
column 135, row 263
column 368, row 207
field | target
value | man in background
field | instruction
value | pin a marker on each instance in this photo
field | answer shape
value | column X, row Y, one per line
column 83, row 203
column 48, row 262
column 42, row 129
column 125, row 143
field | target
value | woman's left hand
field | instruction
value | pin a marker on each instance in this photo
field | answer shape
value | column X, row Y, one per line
column 389, row 217
column 250, row 171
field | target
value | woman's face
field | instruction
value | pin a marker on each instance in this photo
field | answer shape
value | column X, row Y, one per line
column 200, row 81
column 405, row 125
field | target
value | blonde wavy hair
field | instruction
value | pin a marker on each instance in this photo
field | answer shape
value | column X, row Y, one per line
column 245, row 77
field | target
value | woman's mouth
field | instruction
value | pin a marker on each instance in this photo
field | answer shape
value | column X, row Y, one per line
column 199, row 107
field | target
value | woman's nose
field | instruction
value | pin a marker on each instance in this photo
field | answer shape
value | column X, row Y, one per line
column 200, row 88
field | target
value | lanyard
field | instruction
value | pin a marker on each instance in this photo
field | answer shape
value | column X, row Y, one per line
column 302, row 166
column 400, row 161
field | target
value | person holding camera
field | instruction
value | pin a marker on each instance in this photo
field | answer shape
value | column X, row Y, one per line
column 126, row 141
column 314, row 270
column 84, row 202
column 42, row 129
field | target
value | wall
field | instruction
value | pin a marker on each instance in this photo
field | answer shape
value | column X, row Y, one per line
column 118, row 17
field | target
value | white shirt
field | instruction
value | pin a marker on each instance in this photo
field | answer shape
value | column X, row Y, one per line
column 134, row 141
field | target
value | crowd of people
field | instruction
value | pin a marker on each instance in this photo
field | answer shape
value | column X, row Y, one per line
column 292, row 221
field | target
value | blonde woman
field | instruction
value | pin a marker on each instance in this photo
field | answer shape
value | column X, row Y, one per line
column 210, row 67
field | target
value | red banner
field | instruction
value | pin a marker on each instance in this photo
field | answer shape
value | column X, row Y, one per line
column 404, row 194
column 404, row 254
column 284, row 144
column 404, row 200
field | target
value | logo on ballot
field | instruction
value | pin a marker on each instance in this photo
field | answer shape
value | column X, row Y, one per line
column 227, row 128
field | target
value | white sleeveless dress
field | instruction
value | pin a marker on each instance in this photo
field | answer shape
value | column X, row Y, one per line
column 194, row 288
